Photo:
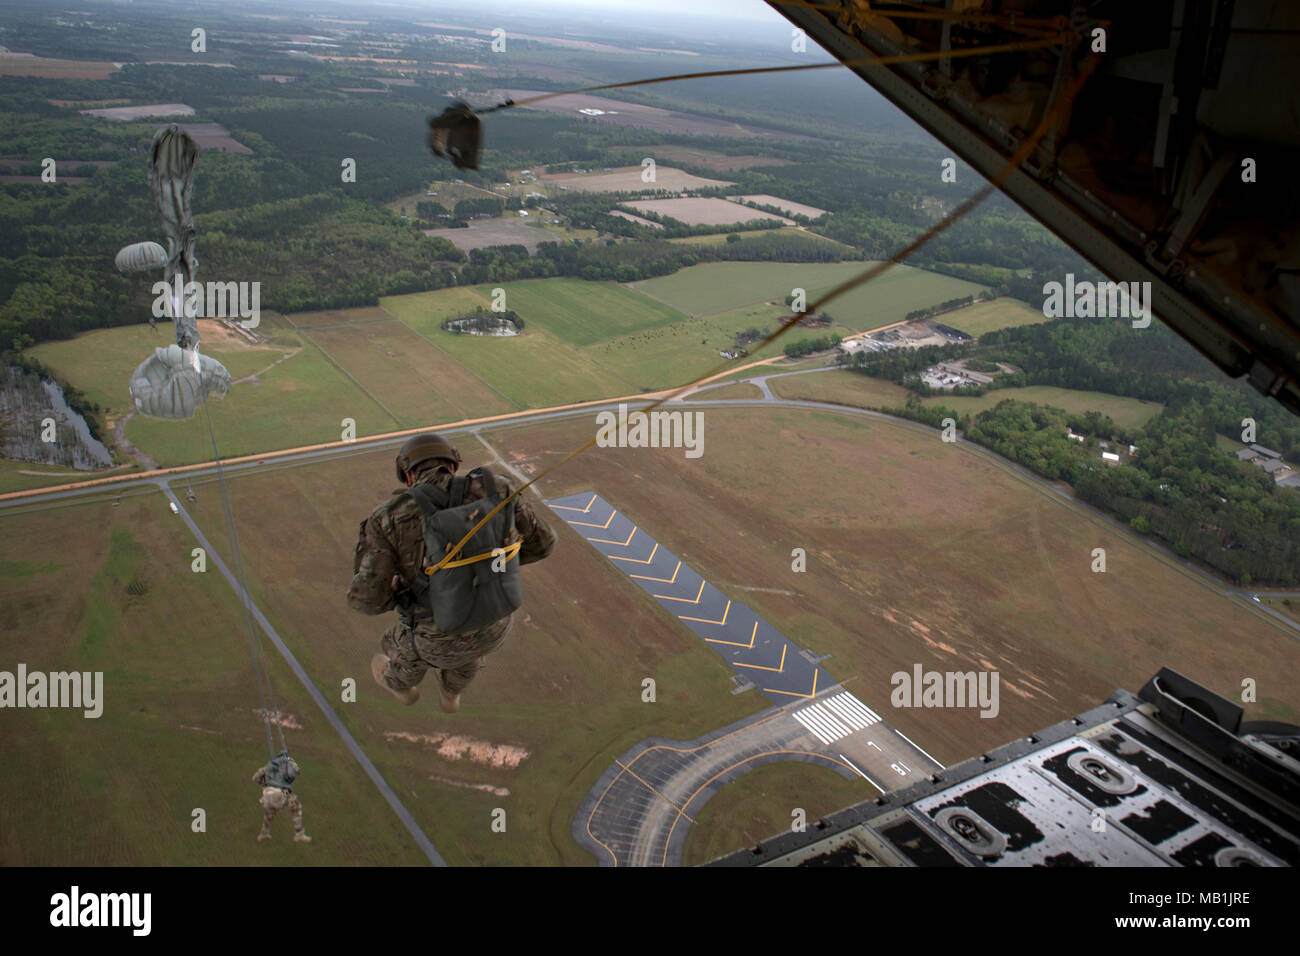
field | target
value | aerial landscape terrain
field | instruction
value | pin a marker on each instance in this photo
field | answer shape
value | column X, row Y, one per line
column 930, row 472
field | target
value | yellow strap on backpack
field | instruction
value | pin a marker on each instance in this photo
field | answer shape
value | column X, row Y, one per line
column 508, row 552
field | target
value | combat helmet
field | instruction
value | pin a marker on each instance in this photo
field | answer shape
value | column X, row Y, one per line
column 420, row 448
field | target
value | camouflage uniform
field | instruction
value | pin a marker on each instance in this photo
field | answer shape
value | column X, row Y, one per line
column 275, row 799
column 391, row 542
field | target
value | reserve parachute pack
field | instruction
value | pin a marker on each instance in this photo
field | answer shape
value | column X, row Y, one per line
column 480, row 584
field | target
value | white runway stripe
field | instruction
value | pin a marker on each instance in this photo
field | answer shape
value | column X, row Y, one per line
column 851, row 703
column 814, row 716
column 852, row 715
column 816, row 719
column 813, row 730
column 822, row 722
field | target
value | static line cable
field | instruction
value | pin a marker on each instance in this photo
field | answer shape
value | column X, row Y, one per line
column 1050, row 118
column 260, row 669
column 1055, row 40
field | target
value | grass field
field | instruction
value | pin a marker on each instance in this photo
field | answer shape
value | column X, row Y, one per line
column 720, row 238
column 294, row 400
column 565, row 689
column 918, row 552
column 842, row 387
column 302, row 401
column 738, row 390
column 719, row 286
column 180, row 727
column 415, row 381
column 762, row 803
column 1126, row 412
column 533, row 370
column 1288, row 606
column 987, row 316
column 100, row 363
column 583, row 313
column 679, row 353
column 13, row 479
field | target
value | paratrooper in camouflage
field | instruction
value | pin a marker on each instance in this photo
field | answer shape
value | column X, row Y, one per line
column 277, row 795
column 389, row 569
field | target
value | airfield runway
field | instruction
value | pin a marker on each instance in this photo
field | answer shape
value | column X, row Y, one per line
column 641, row 808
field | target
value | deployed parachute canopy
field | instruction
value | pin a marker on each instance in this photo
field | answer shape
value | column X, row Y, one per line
column 140, row 256
column 173, row 382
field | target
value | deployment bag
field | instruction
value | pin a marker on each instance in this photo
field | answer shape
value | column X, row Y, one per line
column 480, row 583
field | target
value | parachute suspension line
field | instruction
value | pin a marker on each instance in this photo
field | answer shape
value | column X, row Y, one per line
column 260, row 670
column 1054, row 40
column 1051, row 117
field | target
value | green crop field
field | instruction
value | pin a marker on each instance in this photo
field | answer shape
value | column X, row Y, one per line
column 533, row 370
column 405, row 372
column 583, row 313
column 721, row 286
column 987, row 316
column 1126, row 412
column 680, row 353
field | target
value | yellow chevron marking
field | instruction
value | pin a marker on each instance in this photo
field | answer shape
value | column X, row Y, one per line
column 620, row 543
column 583, row 510
column 615, row 557
column 602, row 527
column 660, row 580
column 774, row 669
column 706, row 621
column 664, row 597
column 749, row 646
column 769, row 690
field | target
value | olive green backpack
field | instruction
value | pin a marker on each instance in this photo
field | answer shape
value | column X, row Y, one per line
column 480, row 584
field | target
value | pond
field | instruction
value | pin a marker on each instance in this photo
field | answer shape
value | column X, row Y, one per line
column 26, row 401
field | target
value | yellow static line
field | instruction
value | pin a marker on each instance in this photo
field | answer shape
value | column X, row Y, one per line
column 660, row 580
column 776, row 670
column 619, row 543
column 569, row 508
column 591, row 524
column 706, row 621
column 788, row 693
column 698, row 594
column 749, row 646
column 614, row 557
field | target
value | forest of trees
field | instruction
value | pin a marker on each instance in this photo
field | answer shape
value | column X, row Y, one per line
column 808, row 346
